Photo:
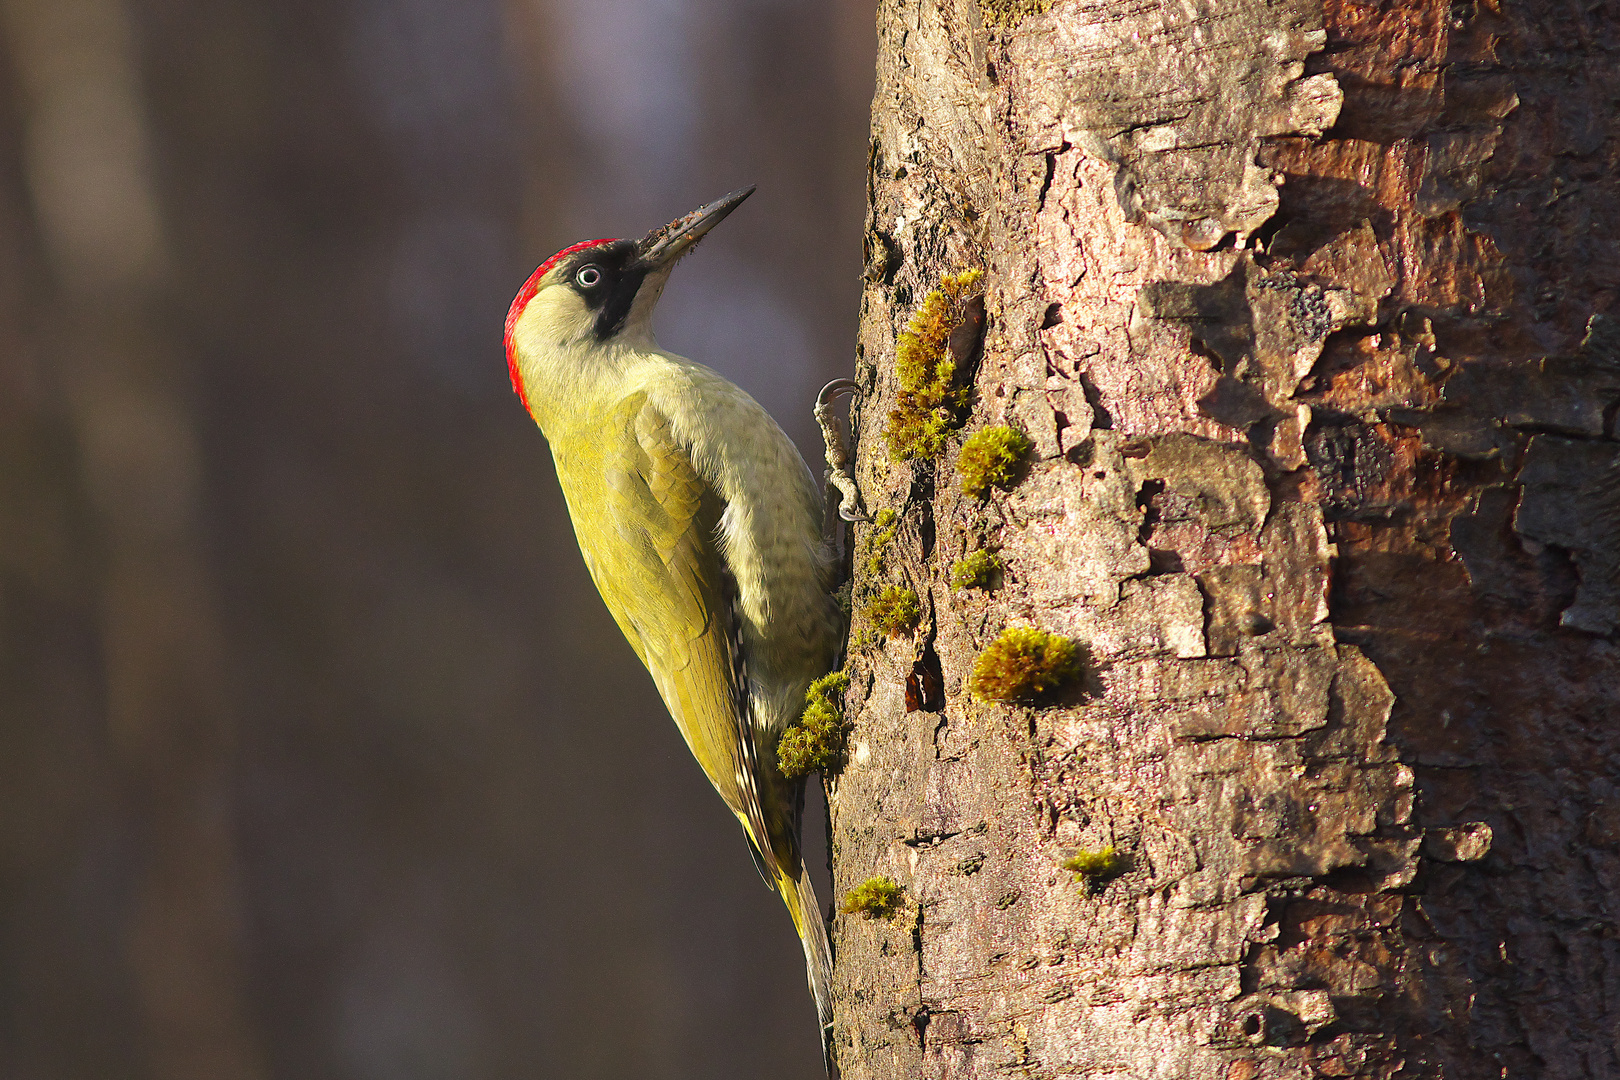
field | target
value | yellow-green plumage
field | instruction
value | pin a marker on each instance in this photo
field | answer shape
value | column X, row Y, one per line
column 701, row 527
column 649, row 528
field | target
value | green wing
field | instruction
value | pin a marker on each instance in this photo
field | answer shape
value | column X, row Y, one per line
column 647, row 525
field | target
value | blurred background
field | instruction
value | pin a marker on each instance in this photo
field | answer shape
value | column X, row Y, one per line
column 319, row 756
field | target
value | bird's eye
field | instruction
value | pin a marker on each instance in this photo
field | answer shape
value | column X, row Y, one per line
column 589, row 277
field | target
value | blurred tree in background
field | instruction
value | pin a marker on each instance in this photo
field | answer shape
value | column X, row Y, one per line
column 319, row 756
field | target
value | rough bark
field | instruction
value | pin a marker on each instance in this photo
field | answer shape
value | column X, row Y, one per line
column 1307, row 312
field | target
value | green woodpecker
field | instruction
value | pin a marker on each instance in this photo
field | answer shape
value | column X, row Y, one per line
column 700, row 524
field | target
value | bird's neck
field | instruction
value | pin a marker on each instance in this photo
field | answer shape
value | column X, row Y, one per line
column 569, row 383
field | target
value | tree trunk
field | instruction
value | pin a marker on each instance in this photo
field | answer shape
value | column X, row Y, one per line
column 1306, row 312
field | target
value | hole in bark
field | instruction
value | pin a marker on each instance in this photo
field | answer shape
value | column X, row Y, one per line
column 1053, row 316
column 1150, row 513
column 1353, row 880
column 1251, row 1025
column 925, row 686
column 990, row 73
column 1164, row 561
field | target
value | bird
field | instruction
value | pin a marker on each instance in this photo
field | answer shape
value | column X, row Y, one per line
column 701, row 527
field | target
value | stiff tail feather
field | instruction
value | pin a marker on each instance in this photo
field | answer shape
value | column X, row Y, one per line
column 800, row 897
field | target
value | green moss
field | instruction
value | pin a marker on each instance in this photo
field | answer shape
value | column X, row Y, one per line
column 876, row 898
column 895, row 611
column 977, row 571
column 884, row 526
column 816, row 742
column 929, row 404
column 1095, row 867
column 1022, row 664
column 990, row 457
column 1012, row 12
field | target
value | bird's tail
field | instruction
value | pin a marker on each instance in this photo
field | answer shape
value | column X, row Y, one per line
column 800, row 897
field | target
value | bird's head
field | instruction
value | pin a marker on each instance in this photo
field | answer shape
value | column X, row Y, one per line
column 598, row 292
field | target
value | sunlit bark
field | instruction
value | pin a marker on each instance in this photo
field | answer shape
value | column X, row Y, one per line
column 1307, row 314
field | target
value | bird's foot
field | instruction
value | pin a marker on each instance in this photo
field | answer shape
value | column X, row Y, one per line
column 838, row 474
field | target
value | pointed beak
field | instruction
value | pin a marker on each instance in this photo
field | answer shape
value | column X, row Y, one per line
column 663, row 246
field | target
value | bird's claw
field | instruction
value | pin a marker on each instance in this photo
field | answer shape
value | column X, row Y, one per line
column 836, row 389
column 838, row 474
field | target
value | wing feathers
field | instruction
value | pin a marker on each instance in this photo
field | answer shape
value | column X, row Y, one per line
column 654, row 554
column 650, row 529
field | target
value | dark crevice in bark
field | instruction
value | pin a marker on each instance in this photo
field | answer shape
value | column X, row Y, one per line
column 1100, row 418
column 1046, row 180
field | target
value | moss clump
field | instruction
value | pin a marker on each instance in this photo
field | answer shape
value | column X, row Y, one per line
column 930, row 403
column 895, row 611
column 816, row 742
column 1022, row 664
column 976, row 571
column 876, row 898
column 989, row 457
column 1092, row 868
column 884, row 526
column 1012, row 12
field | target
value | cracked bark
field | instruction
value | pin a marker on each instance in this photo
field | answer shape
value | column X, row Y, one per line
column 1309, row 313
